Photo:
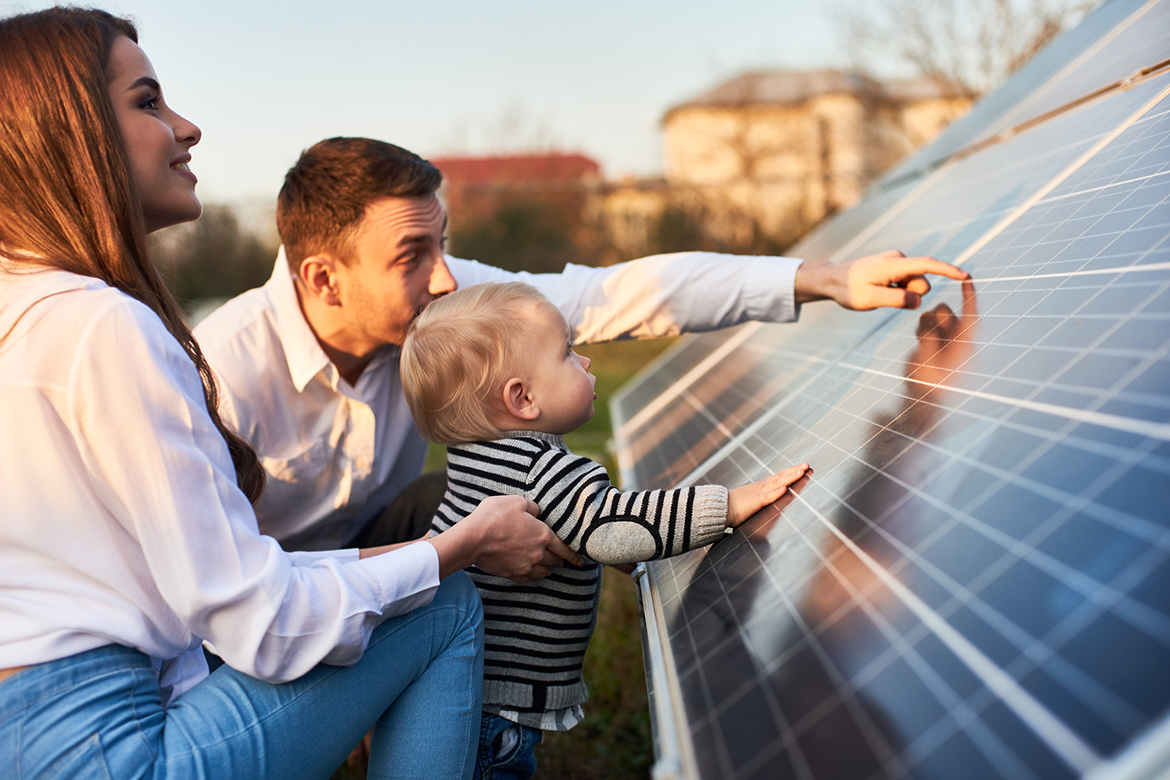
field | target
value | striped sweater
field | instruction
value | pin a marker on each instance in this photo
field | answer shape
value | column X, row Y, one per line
column 536, row 634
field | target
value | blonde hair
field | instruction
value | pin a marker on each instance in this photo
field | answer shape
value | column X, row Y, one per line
column 457, row 354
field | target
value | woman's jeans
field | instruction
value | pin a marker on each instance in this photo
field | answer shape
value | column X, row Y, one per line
column 98, row 714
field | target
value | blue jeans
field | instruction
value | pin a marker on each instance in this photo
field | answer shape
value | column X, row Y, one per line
column 99, row 714
column 507, row 750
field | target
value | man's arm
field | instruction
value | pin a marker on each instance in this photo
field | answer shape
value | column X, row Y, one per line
column 693, row 292
column 658, row 296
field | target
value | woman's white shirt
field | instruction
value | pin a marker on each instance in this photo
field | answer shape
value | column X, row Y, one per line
column 120, row 518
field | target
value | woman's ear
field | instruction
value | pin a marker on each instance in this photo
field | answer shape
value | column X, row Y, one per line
column 518, row 401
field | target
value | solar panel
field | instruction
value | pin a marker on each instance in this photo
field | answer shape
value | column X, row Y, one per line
column 975, row 582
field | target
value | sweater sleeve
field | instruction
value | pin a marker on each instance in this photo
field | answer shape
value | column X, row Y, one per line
column 596, row 519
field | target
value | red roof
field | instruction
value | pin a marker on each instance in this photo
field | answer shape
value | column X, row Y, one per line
column 528, row 167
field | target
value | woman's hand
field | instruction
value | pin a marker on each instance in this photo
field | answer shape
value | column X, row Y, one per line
column 743, row 502
column 503, row 536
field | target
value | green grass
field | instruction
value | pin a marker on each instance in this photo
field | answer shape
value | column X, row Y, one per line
column 613, row 741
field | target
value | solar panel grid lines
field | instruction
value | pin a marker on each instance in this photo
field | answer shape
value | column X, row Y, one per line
column 716, row 436
column 656, row 376
column 963, row 197
column 1119, row 39
column 1036, row 197
column 663, row 398
column 976, row 579
column 962, row 715
column 849, row 250
column 1094, row 591
column 1120, row 51
column 974, row 191
column 788, row 733
column 1051, row 144
column 1012, row 219
column 1146, row 759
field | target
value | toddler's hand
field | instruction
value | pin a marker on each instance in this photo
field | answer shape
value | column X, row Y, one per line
column 743, row 502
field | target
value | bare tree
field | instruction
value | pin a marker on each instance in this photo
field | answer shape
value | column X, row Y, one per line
column 967, row 46
column 513, row 131
column 215, row 257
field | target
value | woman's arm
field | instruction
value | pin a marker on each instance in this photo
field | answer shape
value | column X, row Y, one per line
column 156, row 462
column 502, row 536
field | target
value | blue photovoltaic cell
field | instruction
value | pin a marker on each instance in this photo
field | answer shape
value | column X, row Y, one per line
column 974, row 581
column 965, row 201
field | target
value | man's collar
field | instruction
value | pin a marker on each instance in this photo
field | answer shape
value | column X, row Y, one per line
column 301, row 348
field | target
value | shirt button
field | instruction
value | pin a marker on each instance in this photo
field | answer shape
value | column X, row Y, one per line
column 362, row 464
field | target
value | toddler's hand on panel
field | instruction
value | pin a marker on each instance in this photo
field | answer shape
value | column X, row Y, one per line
column 743, row 502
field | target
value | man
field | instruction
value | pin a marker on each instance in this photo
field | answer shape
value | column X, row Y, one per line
column 308, row 364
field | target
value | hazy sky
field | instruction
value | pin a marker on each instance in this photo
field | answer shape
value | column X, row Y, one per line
column 263, row 80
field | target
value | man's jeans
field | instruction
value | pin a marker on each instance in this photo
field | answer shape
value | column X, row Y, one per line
column 99, row 714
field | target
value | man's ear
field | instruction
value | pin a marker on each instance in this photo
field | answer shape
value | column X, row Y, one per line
column 518, row 401
column 318, row 274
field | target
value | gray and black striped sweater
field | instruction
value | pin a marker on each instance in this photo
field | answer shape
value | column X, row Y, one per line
column 535, row 635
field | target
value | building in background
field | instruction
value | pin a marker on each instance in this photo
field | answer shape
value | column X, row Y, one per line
column 750, row 166
column 757, row 160
column 532, row 212
column 474, row 187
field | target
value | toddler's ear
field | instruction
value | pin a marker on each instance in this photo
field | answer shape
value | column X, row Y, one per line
column 518, row 401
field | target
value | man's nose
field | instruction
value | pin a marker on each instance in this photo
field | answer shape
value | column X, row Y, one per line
column 442, row 282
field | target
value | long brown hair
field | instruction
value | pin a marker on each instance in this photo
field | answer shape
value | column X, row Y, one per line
column 68, row 198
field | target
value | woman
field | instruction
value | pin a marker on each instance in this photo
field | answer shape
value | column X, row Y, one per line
column 127, row 535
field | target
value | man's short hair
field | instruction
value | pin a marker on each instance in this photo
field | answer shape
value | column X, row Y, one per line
column 458, row 354
column 326, row 193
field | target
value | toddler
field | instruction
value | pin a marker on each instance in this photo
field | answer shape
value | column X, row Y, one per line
column 490, row 371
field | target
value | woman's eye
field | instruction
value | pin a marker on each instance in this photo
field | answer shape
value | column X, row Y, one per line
column 149, row 104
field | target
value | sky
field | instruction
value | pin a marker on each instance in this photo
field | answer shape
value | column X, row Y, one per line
column 264, row 80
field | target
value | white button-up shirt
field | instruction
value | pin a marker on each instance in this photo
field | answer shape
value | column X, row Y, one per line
column 337, row 454
column 120, row 518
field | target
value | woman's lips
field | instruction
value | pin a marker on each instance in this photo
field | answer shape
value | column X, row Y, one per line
column 182, row 168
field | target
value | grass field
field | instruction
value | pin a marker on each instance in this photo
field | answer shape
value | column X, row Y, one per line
column 614, row 740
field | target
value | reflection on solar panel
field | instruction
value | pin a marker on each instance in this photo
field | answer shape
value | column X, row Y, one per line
column 976, row 580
